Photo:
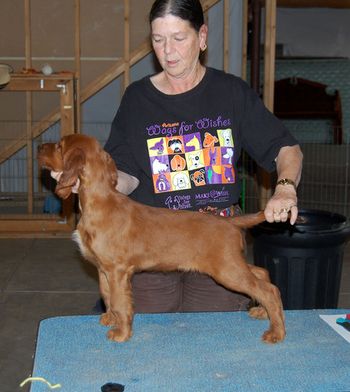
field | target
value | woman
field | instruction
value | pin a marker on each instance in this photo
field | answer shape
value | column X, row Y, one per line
column 176, row 140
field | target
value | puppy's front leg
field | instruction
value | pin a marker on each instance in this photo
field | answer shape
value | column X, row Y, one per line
column 121, row 307
column 107, row 318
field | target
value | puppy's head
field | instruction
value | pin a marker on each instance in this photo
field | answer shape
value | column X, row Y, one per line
column 76, row 156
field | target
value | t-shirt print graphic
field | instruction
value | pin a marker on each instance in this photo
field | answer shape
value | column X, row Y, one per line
column 192, row 160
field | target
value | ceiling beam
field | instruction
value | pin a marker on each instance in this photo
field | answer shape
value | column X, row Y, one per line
column 314, row 3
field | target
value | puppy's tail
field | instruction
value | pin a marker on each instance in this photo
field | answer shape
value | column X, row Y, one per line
column 248, row 220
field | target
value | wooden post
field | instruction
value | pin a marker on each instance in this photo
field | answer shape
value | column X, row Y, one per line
column 29, row 109
column 255, row 50
column 226, row 34
column 244, row 39
column 126, row 43
column 77, row 51
column 270, row 53
column 29, row 145
column 67, row 127
column 28, row 35
column 269, row 80
column 67, row 106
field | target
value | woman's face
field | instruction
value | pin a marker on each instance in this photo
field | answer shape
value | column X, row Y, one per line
column 177, row 45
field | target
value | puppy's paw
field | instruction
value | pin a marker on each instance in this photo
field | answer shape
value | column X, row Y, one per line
column 107, row 319
column 118, row 335
column 258, row 312
column 273, row 336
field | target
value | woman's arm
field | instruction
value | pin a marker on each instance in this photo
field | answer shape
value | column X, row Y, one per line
column 284, row 200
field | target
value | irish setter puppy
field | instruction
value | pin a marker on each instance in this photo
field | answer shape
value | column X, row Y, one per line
column 116, row 234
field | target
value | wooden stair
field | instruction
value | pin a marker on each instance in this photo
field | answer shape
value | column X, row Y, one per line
column 119, row 68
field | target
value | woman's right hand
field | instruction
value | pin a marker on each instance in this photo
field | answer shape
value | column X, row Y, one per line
column 57, row 176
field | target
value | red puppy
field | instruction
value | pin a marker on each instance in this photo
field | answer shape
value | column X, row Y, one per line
column 116, row 234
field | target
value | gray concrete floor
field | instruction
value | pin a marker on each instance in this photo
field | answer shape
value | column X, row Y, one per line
column 41, row 278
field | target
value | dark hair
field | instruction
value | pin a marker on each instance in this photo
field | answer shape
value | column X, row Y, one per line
column 190, row 10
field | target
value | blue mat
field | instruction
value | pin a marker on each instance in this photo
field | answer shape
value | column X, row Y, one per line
column 197, row 352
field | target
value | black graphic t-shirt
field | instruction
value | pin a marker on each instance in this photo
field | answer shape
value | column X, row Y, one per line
column 184, row 148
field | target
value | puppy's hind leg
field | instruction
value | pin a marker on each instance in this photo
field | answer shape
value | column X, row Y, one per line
column 268, row 295
column 121, row 306
column 256, row 310
column 240, row 278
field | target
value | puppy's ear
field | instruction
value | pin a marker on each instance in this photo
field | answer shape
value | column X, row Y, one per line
column 73, row 164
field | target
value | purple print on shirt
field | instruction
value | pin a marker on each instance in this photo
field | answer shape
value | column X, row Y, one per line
column 228, row 173
column 158, row 146
column 227, row 155
column 160, row 164
column 188, row 156
column 213, row 152
column 214, row 174
column 192, row 142
column 162, row 183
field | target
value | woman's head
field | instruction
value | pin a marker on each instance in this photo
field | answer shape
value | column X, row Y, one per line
column 188, row 10
column 178, row 35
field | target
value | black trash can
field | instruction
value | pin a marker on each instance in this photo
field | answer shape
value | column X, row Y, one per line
column 304, row 260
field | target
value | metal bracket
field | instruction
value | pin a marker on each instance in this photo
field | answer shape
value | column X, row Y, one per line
column 62, row 86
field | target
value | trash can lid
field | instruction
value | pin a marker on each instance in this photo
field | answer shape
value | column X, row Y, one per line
column 315, row 220
column 314, row 228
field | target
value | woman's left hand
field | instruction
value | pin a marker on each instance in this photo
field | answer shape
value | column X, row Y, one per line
column 282, row 205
